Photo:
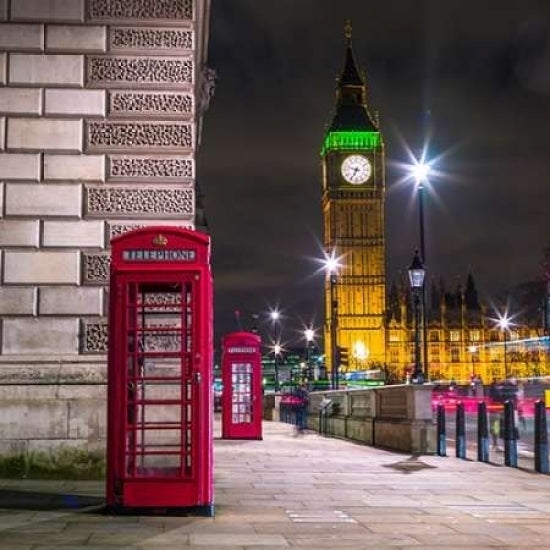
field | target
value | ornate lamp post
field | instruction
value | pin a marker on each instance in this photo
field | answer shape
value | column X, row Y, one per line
column 276, row 319
column 416, row 278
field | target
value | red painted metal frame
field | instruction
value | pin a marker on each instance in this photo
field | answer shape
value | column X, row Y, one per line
column 242, row 403
column 137, row 348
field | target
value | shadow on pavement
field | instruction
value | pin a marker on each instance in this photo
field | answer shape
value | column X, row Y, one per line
column 28, row 500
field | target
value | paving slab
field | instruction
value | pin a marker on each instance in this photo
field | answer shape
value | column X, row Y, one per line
column 307, row 492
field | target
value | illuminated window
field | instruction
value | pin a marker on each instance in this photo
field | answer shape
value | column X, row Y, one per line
column 514, row 335
column 434, row 336
column 454, row 336
column 394, row 336
column 494, row 354
column 455, row 354
column 474, row 336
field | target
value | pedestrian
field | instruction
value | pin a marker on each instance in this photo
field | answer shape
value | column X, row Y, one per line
column 301, row 404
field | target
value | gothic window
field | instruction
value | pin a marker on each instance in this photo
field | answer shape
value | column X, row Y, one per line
column 455, row 354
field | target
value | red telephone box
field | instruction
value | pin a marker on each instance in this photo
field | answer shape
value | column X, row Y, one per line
column 242, row 404
column 159, row 449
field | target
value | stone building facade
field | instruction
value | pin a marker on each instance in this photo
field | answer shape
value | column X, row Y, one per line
column 100, row 119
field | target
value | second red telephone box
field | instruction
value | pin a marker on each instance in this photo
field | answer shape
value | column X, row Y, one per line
column 242, row 403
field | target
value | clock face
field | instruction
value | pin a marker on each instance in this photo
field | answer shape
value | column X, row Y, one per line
column 356, row 169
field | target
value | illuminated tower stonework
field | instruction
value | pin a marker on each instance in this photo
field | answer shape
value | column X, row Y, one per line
column 353, row 216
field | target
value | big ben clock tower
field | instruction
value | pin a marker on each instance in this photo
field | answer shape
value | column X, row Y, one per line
column 353, row 215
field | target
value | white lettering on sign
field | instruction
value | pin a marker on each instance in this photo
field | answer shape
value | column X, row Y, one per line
column 243, row 349
column 170, row 255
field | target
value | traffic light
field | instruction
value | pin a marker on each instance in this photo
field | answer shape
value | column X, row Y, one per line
column 342, row 357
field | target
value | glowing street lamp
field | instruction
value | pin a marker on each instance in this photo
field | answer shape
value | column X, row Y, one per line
column 331, row 265
column 309, row 335
column 276, row 319
column 416, row 278
column 420, row 171
column 503, row 324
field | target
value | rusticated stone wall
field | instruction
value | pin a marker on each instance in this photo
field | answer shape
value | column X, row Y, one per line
column 100, row 116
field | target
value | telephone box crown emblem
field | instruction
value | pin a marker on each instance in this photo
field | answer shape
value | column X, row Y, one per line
column 160, row 240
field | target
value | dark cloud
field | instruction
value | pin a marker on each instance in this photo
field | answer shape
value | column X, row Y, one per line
column 474, row 76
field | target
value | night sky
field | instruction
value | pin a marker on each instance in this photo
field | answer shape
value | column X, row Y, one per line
column 471, row 77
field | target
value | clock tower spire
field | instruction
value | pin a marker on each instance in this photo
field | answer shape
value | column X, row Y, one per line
column 352, row 158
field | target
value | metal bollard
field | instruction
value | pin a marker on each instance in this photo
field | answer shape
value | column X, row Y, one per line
column 482, row 433
column 541, row 438
column 460, row 431
column 510, row 437
column 441, row 431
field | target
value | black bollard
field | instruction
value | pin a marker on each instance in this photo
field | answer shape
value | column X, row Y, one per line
column 510, row 436
column 441, row 431
column 482, row 433
column 541, row 438
column 460, row 431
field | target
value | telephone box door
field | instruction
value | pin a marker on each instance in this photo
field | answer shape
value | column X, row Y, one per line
column 159, row 429
column 242, row 402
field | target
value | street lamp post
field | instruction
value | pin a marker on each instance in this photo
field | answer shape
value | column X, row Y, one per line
column 276, row 319
column 309, row 334
column 416, row 278
column 331, row 264
column 420, row 171
column 504, row 325
column 472, row 350
column 276, row 352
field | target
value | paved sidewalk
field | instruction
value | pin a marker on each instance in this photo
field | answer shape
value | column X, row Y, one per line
column 303, row 492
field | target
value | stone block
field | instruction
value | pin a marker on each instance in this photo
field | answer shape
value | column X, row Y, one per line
column 75, row 102
column 43, row 200
column 87, row 419
column 44, row 134
column 76, row 38
column 36, row 419
column 74, row 167
column 3, row 10
column 19, row 233
column 21, row 101
column 75, row 234
column 47, row 10
column 47, row 335
column 15, row 166
column 17, row 300
column 70, row 301
column 41, row 268
column 21, row 37
column 47, row 69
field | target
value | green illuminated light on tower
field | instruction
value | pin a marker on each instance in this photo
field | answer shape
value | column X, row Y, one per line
column 335, row 141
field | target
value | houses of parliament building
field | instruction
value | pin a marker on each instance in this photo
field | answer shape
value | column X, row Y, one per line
column 373, row 319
